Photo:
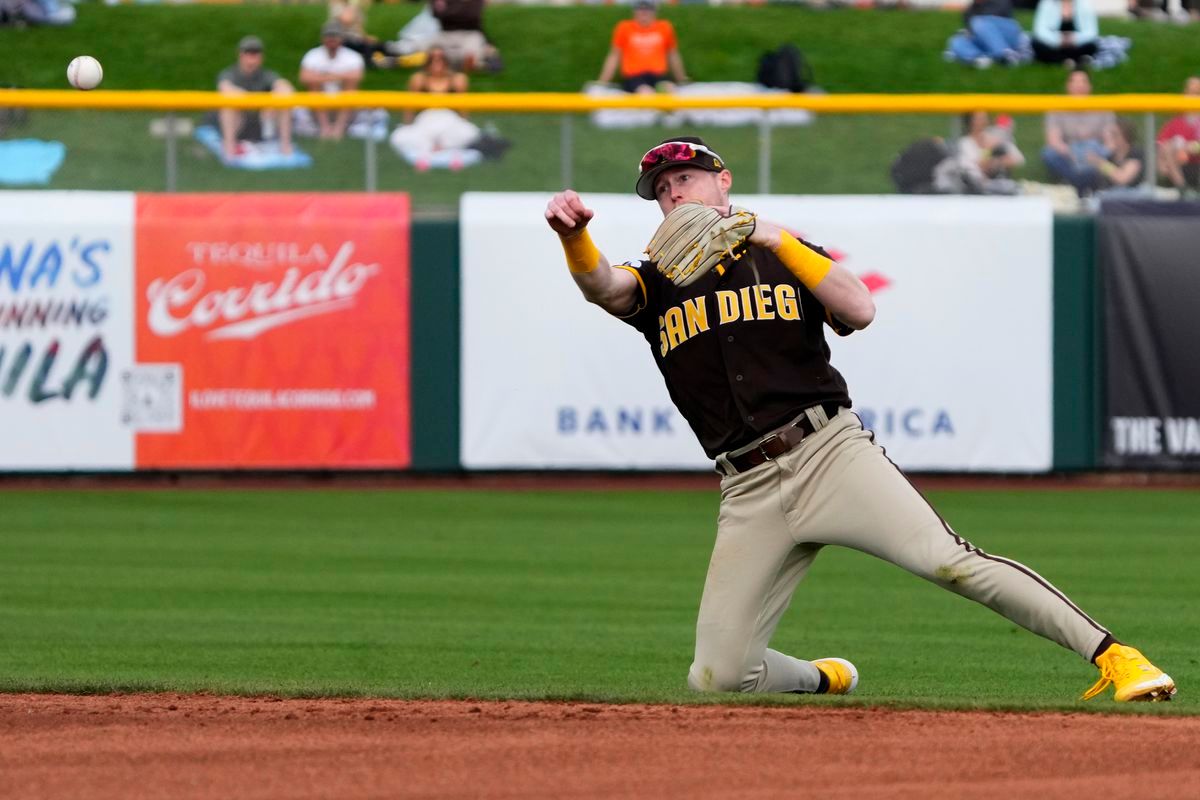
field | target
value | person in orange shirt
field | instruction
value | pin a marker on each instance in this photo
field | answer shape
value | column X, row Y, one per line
column 645, row 49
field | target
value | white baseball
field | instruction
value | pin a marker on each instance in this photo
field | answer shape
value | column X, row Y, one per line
column 84, row 72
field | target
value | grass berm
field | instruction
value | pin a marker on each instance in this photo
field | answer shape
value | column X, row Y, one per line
column 546, row 49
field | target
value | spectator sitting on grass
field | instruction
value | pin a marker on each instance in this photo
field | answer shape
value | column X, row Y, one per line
column 1188, row 11
column 1065, row 32
column 1123, row 168
column 1072, row 135
column 56, row 13
column 991, row 36
column 351, row 17
column 248, row 75
column 987, row 154
column 434, row 130
column 1179, row 145
column 644, row 48
column 437, row 77
column 462, row 37
column 331, row 68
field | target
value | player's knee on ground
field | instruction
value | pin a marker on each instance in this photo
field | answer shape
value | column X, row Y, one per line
column 716, row 678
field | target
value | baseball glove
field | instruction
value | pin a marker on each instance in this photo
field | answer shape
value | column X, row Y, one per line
column 695, row 238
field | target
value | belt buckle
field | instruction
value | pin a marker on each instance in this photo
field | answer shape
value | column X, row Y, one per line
column 763, row 441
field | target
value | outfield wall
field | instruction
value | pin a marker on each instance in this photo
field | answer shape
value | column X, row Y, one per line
column 1075, row 353
column 42, row 436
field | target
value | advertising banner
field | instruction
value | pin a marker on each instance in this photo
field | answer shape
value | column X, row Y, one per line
column 272, row 331
column 954, row 374
column 66, row 330
column 1148, row 257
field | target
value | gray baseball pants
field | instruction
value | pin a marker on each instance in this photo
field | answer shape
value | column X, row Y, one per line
column 838, row 487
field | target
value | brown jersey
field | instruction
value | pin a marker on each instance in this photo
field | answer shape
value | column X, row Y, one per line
column 742, row 353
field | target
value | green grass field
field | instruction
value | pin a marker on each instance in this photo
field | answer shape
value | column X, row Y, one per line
column 546, row 49
column 550, row 49
column 554, row 594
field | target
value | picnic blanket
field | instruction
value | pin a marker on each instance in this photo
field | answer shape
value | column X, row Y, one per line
column 30, row 161
column 255, row 156
column 720, row 117
column 367, row 123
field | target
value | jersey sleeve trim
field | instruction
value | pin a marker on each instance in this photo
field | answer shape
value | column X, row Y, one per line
column 641, row 287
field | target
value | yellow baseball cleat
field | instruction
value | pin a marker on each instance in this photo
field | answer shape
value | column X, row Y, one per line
column 842, row 675
column 1133, row 675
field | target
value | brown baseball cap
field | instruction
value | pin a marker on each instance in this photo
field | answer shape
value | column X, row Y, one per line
column 682, row 151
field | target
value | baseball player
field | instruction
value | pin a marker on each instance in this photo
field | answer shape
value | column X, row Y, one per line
column 734, row 308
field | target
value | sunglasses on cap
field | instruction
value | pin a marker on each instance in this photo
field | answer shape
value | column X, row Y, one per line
column 674, row 152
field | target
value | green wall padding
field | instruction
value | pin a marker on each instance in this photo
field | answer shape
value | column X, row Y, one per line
column 1076, row 343
column 435, row 345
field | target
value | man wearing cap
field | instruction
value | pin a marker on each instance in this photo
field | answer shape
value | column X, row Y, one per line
column 332, row 68
column 249, row 75
column 644, row 48
column 743, row 353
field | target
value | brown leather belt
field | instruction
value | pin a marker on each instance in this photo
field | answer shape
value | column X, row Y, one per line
column 776, row 443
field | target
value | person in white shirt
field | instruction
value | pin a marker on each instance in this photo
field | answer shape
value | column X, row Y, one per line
column 332, row 68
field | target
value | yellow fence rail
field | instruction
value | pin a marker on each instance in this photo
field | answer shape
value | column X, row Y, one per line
column 558, row 103
column 568, row 104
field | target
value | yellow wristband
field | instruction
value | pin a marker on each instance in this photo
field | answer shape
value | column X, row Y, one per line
column 582, row 255
column 806, row 264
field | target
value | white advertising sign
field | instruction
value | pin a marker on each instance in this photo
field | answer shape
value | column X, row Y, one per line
column 956, row 371
column 954, row 374
column 547, row 379
column 66, row 329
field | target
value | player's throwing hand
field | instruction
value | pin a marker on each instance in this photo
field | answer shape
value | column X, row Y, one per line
column 566, row 214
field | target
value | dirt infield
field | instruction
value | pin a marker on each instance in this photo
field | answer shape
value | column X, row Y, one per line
column 165, row 745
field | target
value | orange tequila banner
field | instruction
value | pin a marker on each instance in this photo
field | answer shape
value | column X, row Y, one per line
column 278, row 327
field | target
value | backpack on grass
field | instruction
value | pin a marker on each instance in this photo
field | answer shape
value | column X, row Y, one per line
column 785, row 68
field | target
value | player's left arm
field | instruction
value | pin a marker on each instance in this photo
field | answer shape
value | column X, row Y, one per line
column 611, row 62
column 839, row 290
column 675, row 61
